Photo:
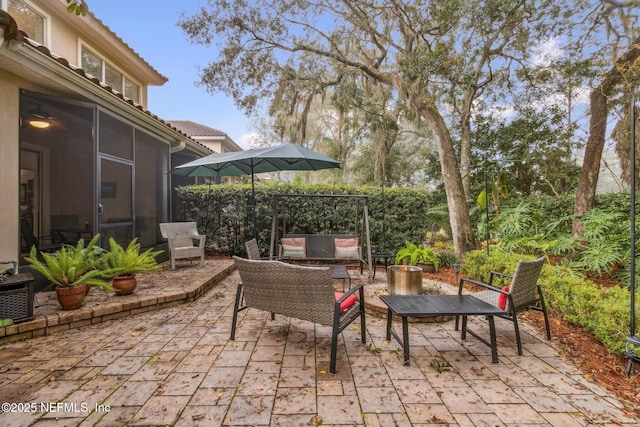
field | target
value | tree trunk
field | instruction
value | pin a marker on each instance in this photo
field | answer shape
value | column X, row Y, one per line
column 586, row 191
column 459, row 219
column 465, row 146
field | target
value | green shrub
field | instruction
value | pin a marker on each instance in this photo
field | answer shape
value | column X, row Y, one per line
column 224, row 213
column 446, row 258
column 477, row 265
column 601, row 311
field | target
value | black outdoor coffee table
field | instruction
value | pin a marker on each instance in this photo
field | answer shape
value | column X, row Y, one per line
column 407, row 306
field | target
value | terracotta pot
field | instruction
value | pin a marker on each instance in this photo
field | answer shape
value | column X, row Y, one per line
column 71, row 297
column 427, row 267
column 404, row 280
column 124, row 285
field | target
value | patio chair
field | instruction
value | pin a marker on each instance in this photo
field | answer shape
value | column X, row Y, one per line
column 30, row 239
column 253, row 251
column 184, row 241
column 523, row 294
column 298, row 292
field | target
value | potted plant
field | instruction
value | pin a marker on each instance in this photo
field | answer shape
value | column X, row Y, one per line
column 72, row 269
column 123, row 264
column 424, row 257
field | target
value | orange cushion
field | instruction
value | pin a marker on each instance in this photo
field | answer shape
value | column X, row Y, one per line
column 344, row 305
column 502, row 299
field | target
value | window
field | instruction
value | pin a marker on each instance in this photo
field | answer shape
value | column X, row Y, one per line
column 131, row 90
column 112, row 77
column 91, row 63
column 109, row 75
column 28, row 18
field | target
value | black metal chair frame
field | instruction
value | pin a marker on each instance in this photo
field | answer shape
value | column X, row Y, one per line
column 512, row 309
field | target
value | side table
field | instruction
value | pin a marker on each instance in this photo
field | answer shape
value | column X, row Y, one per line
column 386, row 256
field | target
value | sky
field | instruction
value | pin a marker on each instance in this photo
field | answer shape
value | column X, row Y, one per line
column 150, row 28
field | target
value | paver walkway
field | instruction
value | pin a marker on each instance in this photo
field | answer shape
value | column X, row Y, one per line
column 176, row 366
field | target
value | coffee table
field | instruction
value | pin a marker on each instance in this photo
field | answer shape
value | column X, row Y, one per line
column 407, row 306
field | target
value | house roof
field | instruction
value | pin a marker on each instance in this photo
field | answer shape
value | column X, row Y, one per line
column 203, row 133
column 163, row 79
column 17, row 39
column 194, row 129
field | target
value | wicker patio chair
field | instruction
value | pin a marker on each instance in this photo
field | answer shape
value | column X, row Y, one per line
column 298, row 292
column 253, row 251
column 523, row 294
column 184, row 241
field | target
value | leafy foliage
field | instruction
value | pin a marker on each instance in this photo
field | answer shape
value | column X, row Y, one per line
column 528, row 154
column 398, row 215
column 478, row 265
column 602, row 311
column 72, row 266
column 412, row 254
column 606, row 235
column 79, row 7
column 119, row 261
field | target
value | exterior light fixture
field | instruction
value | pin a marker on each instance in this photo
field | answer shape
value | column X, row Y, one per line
column 39, row 119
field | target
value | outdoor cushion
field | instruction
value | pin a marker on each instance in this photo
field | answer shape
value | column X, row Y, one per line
column 502, row 299
column 346, row 248
column 347, row 303
column 294, row 247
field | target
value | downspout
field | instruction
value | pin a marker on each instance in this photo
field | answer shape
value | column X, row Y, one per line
column 179, row 147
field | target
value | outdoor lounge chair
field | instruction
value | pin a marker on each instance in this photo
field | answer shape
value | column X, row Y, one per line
column 182, row 237
column 298, row 292
column 253, row 251
column 523, row 294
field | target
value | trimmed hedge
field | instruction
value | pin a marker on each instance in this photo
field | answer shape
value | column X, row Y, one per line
column 224, row 213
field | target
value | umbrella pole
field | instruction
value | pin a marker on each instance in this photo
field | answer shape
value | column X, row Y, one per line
column 206, row 218
column 253, row 202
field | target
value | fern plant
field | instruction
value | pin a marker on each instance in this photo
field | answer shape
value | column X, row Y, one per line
column 128, row 261
column 73, row 265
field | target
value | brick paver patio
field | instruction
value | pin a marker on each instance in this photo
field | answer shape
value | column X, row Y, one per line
column 176, row 366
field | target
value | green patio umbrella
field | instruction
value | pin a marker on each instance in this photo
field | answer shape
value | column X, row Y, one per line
column 286, row 157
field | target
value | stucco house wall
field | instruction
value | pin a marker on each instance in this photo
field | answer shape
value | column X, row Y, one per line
column 52, row 71
column 9, row 172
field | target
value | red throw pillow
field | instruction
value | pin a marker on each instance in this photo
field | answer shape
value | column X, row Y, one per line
column 502, row 299
column 344, row 305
